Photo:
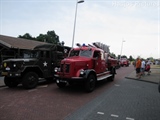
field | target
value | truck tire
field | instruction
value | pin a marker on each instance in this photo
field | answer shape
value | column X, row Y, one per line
column 30, row 80
column 90, row 83
column 113, row 72
column 10, row 82
column 112, row 77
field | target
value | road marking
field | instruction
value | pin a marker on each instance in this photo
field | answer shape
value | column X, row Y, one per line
column 117, row 85
column 101, row 113
column 113, row 115
column 127, row 118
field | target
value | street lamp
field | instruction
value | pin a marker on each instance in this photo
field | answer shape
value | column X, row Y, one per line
column 78, row 1
column 121, row 48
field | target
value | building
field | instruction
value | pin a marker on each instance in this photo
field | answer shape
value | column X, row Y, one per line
column 11, row 47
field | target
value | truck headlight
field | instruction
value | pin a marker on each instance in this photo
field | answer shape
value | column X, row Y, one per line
column 82, row 72
column 14, row 65
column 56, row 69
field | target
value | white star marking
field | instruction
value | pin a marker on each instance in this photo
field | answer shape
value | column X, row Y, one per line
column 45, row 64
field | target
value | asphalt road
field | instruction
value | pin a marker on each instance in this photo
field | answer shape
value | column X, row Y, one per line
column 107, row 101
column 128, row 100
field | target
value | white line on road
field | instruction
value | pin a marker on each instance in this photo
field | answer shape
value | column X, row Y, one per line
column 127, row 118
column 113, row 115
column 101, row 113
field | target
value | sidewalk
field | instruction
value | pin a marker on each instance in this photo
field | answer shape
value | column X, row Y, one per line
column 154, row 76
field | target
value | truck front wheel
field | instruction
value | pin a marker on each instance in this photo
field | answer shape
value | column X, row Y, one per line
column 10, row 82
column 90, row 83
column 30, row 80
column 113, row 72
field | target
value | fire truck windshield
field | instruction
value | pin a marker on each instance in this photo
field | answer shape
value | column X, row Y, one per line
column 84, row 53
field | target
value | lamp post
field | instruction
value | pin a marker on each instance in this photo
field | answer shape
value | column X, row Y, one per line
column 78, row 1
column 121, row 48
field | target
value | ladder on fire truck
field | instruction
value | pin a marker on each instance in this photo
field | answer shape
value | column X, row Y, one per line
column 102, row 46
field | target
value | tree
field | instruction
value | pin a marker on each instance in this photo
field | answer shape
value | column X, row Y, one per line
column 131, row 58
column 26, row 36
column 113, row 55
column 123, row 56
column 41, row 38
column 50, row 37
column 118, row 56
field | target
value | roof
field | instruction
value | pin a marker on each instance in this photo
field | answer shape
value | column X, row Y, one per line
column 19, row 43
column 52, row 47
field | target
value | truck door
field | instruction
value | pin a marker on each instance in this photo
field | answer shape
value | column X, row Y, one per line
column 45, row 63
column 99, row 62
column 103, row 62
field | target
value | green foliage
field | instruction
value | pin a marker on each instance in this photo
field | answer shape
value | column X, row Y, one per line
column 118, row 56
column 131, row 58
column 113, row 55
column 123, row 56
column 26, row 36
column 50, row 37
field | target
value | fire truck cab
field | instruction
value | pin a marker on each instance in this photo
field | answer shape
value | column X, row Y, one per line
column 86, row 64
column 124, row 62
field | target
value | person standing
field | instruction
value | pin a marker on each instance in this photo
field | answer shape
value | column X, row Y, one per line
column 138, row 67
column 143, row 64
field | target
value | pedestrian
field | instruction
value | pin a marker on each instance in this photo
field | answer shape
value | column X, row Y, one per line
column 134, row 64
column 142, row 67
column 138, row 67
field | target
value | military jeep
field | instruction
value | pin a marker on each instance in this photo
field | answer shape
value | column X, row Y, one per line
column 38, row 63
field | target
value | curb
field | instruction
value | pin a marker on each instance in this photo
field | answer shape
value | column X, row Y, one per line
column 2, row 86
column 141, row 80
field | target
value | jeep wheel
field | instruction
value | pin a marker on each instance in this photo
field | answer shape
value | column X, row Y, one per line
column 30, row 80
column 90, row 83
column 10, row 82
column 61, row 84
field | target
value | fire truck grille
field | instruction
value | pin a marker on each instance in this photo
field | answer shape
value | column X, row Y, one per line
column 65, row 68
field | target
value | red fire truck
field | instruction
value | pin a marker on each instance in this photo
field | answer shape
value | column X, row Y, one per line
column 86, row 64
column 124, row 62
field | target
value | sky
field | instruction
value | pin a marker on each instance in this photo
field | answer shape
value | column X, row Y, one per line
column 129, row 27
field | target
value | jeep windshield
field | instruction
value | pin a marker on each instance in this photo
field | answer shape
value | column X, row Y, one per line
column 84, row 53
column 30, row 54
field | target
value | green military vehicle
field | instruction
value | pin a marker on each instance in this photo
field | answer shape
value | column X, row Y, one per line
column 38, row 63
